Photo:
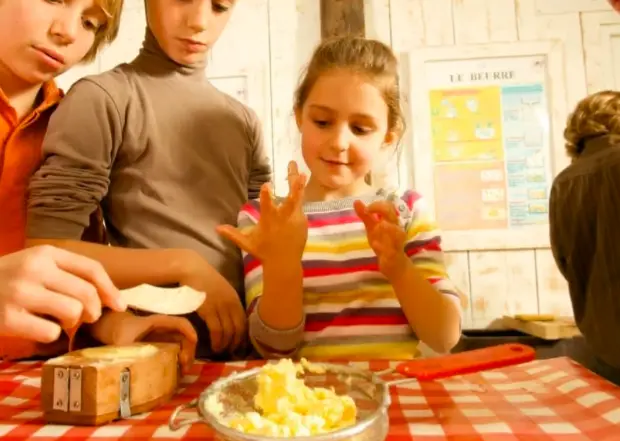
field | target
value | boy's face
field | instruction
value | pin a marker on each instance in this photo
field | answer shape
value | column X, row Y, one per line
column 187, row 29
column 40, row 39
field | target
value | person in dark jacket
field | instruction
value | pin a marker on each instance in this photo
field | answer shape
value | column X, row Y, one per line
column 584, row 217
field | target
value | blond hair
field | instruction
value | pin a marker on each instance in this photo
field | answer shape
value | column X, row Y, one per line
column 369, row 58
column 596, row 115
column 107, row 33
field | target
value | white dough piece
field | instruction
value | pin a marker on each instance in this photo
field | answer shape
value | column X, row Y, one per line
column 169, row 301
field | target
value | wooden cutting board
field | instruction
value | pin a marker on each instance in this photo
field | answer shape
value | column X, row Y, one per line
column 547, row 327
column 98, row 385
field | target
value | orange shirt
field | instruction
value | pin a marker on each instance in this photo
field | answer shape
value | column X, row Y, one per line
column 20, row 157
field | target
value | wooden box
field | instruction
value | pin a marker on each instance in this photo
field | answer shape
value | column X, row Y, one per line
column 98, row 385
column 554, row 328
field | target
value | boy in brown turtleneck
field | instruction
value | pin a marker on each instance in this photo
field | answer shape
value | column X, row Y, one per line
column 168, row 157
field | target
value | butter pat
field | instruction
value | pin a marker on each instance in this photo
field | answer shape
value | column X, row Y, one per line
column 115, row 352
column 289, row 408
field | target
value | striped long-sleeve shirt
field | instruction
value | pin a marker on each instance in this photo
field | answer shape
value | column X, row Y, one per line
column 350, row 308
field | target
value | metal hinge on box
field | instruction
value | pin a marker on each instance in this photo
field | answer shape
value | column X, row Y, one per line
column 68, row 391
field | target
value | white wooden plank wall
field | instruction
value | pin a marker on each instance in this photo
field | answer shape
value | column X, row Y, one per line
column 502, row 282
column 271, row 40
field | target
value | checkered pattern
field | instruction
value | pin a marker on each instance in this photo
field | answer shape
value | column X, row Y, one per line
column 540, row 401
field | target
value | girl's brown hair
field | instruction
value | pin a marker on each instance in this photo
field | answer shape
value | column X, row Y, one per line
column 369, row 58
column 596, row 115
column 109, row 31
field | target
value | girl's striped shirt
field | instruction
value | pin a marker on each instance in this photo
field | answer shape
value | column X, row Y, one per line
column 350, row 309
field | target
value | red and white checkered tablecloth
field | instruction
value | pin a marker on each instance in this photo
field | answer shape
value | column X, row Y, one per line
column 539, row 401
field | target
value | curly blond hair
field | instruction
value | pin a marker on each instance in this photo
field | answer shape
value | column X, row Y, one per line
column 596, row 115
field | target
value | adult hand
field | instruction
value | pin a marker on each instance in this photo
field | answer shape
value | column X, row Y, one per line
column 45, row 289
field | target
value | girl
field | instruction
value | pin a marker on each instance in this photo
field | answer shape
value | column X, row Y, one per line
column 340, row 269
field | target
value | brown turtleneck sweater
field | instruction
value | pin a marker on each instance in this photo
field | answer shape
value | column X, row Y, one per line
column 167, row 155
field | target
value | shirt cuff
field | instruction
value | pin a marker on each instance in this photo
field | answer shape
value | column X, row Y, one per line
column 281, row 340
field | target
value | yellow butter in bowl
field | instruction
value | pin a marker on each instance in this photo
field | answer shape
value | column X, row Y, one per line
column 290, row 408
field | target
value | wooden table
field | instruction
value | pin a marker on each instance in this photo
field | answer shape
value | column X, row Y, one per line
column 543, row 400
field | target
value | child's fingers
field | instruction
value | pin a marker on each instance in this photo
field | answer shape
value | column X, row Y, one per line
column 66, row 309
column 212, row 319
column 93, row 273
column 167, row 324
column 239, row 322
column 74, row 288
column 295, row 199
column 187, row 353
column 384, row 210
column 293, row 174
column 188, row 342
column 23, row 324
column 362, row 211
column 227, row 333
column 267, row 207
column 237, row 237
column 298, row 190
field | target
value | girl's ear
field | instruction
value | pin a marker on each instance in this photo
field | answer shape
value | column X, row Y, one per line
column 389, row 139
column 298, row 112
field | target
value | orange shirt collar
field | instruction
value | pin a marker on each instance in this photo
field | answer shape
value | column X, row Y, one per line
column 51, row 96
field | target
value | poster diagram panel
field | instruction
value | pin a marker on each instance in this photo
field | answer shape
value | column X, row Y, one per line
column 490, row 135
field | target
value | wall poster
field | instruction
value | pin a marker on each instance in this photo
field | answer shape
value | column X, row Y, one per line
column 490, row 134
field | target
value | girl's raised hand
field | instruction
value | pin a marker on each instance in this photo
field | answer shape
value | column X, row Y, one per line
column 385, row 235
column 282, row 230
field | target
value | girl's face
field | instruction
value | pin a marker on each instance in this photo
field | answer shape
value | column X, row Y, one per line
column 344, row 126
column 40, row 39
column 187, row 29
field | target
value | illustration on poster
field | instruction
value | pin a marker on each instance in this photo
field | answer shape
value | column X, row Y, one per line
column 491, row 140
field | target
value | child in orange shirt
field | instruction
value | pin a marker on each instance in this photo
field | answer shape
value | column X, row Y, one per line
column 39, row 40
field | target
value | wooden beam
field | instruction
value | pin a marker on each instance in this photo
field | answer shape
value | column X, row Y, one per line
column 342, row 17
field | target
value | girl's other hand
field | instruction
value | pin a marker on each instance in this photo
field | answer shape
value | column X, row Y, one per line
column 385, row 235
